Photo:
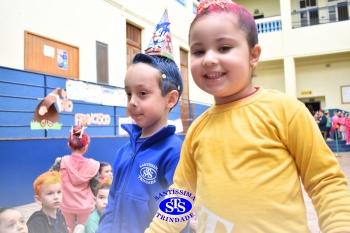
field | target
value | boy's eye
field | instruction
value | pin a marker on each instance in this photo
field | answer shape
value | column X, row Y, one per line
column 143, row 93
column 10, row 226
column 128, row 94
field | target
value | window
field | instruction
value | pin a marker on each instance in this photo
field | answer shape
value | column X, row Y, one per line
column 310, row 15
column 102, row 62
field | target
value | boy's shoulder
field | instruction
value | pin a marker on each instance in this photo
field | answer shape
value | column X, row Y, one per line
column 38, row 217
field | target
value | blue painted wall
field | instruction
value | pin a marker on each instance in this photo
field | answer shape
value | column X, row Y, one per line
column 22, row 161
column 26, row 153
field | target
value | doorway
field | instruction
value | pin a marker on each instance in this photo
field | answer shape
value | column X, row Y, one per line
column 313, row 106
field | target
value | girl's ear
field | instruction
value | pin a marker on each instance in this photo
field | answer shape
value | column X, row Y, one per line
column 255, row 55
column 37, row 199
column 173, row 96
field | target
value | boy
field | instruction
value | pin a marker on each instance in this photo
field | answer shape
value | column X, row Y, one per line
column 101, row 198
column 12, row 221
column 144, row 166
column 48, row 193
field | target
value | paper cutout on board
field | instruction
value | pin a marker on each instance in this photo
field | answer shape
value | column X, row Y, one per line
column 62, row 59
column 77, row 90
column 46, row 114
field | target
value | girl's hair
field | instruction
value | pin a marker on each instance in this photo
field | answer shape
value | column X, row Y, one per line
column 104, row 185
column 78, row 138
column 245, row 18
column 103, row 164
column 46, row 179
column 170, row 76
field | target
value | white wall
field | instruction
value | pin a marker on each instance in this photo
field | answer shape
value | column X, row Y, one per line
column 82, row 23
column 325, row 82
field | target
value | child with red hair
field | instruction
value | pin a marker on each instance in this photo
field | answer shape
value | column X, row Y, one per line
column 79, row 179
column 48, row 193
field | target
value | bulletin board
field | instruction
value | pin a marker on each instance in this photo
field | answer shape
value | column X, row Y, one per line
column 345, row 94
column 45, row 55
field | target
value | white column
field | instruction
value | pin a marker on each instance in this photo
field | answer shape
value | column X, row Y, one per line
column 289, row 76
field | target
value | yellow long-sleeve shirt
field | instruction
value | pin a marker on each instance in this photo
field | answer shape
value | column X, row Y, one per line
column 244, row 162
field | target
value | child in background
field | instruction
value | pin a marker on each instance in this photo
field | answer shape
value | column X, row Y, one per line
column 12, row 221
column 144, row 166
column 244, row 158
column 101, row 198
column 79, row 179
column 342, row 127
column 347, row 125
column 48, row 194
column 105, row 172
column 328, row 124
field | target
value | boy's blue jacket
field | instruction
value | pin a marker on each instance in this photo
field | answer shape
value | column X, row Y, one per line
column 138, row 177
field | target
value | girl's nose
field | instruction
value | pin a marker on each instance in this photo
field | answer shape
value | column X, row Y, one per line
column 209, row 59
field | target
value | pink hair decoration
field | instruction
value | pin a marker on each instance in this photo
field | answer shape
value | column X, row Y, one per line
column 210, row 5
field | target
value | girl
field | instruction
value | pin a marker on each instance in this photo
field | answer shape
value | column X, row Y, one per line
column 342, row 127
column 347, row 125
column 12, row 221
column 244, row 158
column 105, row 172
column 79, row 179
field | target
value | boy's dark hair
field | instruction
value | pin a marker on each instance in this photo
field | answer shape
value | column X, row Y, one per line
column 104, row 185
column 170, row 76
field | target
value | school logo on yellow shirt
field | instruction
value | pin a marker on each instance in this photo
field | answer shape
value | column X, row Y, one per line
column 176, row 206
column 148, row 173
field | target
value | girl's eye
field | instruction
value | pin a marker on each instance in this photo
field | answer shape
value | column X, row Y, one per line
column 225, row 48
column 143, row 93
column 198, row 52
column 128, row 94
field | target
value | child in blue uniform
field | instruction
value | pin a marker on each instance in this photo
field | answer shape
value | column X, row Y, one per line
column 144, row 167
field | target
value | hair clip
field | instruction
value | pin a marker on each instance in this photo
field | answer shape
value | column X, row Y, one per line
column 71, row 132
column 164, row 76
column 82, row 131
column 178, row 88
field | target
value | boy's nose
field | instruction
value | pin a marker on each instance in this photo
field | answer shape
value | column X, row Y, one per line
column 132, row 102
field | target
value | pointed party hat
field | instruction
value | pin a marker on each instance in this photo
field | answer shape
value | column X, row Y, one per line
column 160, row 43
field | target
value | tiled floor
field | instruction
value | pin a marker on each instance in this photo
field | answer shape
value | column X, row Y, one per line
column 344, row 161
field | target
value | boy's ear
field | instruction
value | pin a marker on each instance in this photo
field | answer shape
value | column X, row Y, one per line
column 173, row 96
column 255, row 55
column 37, row 199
